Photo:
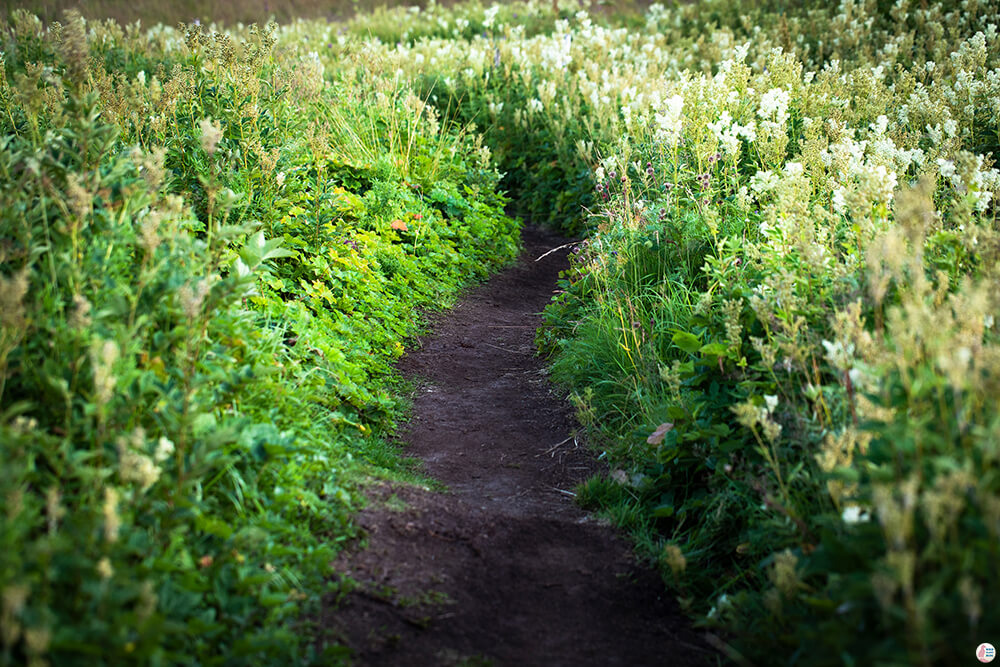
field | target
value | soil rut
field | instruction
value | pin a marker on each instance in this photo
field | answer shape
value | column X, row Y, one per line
column 504, row 568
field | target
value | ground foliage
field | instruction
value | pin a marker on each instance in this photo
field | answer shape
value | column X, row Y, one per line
column 212, row 248
column 781, row 326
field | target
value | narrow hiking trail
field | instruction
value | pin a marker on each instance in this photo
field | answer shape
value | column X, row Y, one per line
column 502, row 568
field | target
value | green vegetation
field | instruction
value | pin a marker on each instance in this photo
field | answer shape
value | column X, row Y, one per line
column 780, row 329
column 153, row 12
column 781, row 325
column 212, row 251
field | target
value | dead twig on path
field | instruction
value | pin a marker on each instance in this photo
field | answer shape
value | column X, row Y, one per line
column 502, row 349
column 565, row 245
column 551, row 450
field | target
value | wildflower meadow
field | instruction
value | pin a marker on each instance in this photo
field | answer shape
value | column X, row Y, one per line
column 778, row 328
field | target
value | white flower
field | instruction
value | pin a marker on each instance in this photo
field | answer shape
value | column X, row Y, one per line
column 668, row 120
column 880, row 125
column 774, row 105
column 853, row 514
column 763, row 181
column 771, row 401
column 884, row 182
column 728, row 132
column 721, row 126
column 211, row 133
column 794, row 169
column 164, row 449
column 839, row 201
column 139, row 468
column 840, row 357
column 748, row 131
column 534, row 105
column 491, row 15
column 104, row 568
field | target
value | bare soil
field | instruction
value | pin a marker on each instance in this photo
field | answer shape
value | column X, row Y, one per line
column 502, row 568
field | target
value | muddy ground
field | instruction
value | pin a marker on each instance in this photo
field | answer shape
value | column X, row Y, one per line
column 502, row 568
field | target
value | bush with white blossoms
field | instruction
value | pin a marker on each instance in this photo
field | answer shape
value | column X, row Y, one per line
column 791, row 238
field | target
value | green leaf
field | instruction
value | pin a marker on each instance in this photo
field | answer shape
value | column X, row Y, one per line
column 714, row 349
column 663, row 511
column 273, row 599
column 686, row 341
column 214, row 526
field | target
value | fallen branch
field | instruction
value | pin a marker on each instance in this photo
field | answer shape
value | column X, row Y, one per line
column 556, row 446
column 565, row 245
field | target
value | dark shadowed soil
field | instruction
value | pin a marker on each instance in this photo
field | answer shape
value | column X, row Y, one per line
column 503, row 568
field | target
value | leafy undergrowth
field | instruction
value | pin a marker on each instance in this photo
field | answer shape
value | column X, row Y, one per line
column 212, row 248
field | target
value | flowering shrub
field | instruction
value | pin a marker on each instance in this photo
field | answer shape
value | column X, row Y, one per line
column 213, row 246
column 781, row 327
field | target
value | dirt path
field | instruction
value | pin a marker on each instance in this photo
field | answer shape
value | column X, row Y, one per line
column 503, row 569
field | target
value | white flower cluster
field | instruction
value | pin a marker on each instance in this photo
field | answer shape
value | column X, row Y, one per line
column 864, row 172
column 774, row 106
column 729, row 133
column 669, row 120
column 977, row 183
